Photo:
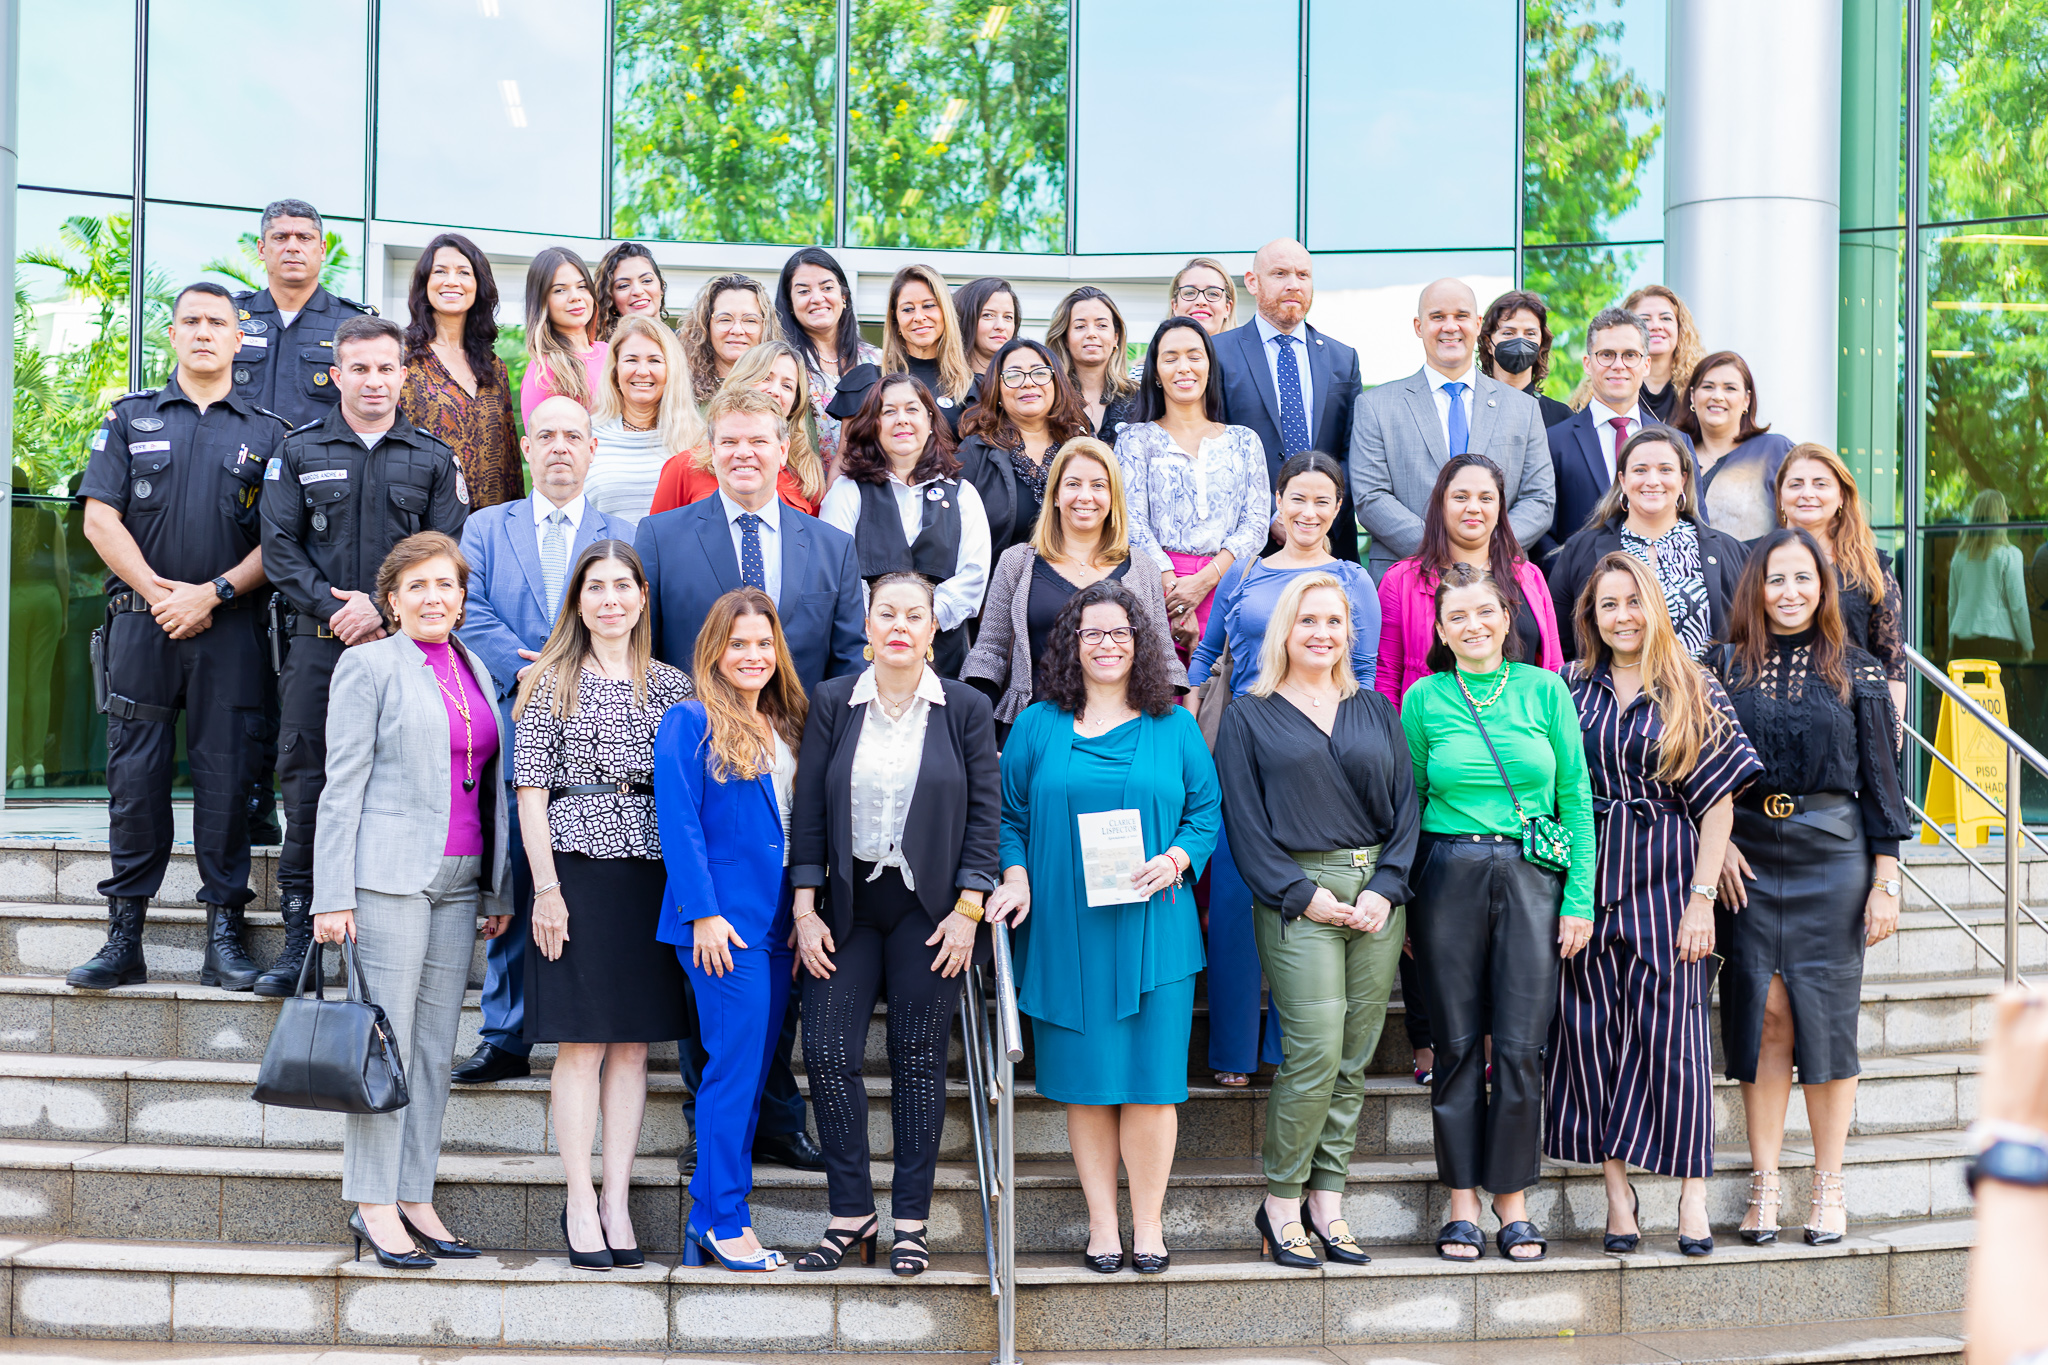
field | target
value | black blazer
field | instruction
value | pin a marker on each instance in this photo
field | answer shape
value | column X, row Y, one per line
column 1003, row 496
column 953, row 831
column 1721, row 559
column 1578, row 457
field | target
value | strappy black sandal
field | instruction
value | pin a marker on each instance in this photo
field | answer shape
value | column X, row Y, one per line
column 908, row 1254
column 1462, row 1233
column 838, row 1241
column 1521, row 1233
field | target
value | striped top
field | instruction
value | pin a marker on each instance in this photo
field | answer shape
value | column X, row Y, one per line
column 624, row 470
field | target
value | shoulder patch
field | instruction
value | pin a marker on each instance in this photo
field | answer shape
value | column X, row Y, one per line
column 461, row 488
column 276, row 416
column 136, row 393
column 274, row 471
column 363, row 308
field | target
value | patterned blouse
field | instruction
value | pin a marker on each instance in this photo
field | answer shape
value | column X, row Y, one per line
column 477, row 428
column 1675, row 558
column 822, row 392
column 607, row 739
column 1217, row 500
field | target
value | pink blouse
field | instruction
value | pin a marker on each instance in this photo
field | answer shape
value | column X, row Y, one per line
column 470, row 746
column 1408, row 624
column 536, row 385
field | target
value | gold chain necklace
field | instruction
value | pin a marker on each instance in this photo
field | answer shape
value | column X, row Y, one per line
column 1491, row 697
column 461, row 699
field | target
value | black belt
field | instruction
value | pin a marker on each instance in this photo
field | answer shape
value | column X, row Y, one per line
column 603, row 789
column 1835, row 812
column 1514, row 839
column 131, row 601
column 302, row 624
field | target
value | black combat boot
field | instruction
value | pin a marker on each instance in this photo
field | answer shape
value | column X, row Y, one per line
column 283, row 977
column 120, row 962
column 227, row 959
column 264, row 831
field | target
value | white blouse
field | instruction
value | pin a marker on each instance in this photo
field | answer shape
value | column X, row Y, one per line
column 959, row 597
column 785, row 789
column 886, row 761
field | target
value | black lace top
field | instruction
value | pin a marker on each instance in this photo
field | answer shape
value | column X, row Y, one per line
column 1878, row 626
column 1809, row 741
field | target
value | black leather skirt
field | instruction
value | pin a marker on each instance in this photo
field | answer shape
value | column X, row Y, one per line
column 1804, row 922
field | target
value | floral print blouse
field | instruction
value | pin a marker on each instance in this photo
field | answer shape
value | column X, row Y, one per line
column 822, row 392
column 478, row 428
column 1215, row 500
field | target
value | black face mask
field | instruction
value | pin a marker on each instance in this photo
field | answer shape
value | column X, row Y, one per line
column 1516, row 354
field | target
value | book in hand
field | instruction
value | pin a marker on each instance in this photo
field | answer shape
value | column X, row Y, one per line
column 1112, row 851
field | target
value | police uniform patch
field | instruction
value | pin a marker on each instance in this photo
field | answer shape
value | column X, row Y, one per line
column 322, row 475
column 461, row 488
column 319, row 521
column 99, row 439
column 249, row 339
column 319, row 379
column 256, row 326
column 148, row 447
column 142, row 488
column 274, row 471
column 148, row 424
column 242, row 313
column 242, row 376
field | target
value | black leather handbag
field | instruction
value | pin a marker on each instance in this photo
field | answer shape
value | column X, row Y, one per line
column 336, row 1055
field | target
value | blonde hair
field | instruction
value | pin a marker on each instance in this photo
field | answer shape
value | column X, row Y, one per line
column 1274, row 661
column 1229, row 287
column 1686, row 348
column 1989, row 505
column 676, row 416
column 1848, row 535
column 955, row 378
column 1049, row 539
column 732, row 737
column 728, row 401
column 561, row 659
column 1675, row 685
column 749, row 370
column 696, row 329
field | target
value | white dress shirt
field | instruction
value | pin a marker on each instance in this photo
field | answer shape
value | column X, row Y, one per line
column 1437, row 391
column 959, row 597
column 886, row 762
column 771, row 542
column 1602, row 416
column 1302, row 341
column 572, row 512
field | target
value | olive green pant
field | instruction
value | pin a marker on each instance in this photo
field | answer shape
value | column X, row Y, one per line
column 1330, row 986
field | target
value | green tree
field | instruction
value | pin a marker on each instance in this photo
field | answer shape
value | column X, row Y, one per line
column 247, row 267
column 1580, row 164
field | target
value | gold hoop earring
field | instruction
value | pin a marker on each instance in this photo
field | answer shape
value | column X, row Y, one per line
column 867, row 651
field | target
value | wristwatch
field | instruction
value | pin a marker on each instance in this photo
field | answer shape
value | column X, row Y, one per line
column 1890, row 888
column 1709, row 890
column 2011, row 1162
column 225, row 589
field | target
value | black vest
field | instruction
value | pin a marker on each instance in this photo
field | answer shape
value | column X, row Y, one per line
column 878, row 535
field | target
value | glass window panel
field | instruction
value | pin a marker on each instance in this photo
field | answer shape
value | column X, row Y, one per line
column 255, row 100
column 183, row 244
column 1593, row 131
column 1987, row 102
column 1576, row 283
column 523, row 82
column 1215, row 81
column 56, row 738
column 72, row 353
column 1986, row 368
column 1368, row 301
column 1873, row 113
column 1384, row 170
column 1869, row 413
column 956, row 125
column 68, row 142
column 722, row 120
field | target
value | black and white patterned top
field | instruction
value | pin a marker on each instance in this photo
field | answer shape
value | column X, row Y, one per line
column 606, row 739
column 1675, row 558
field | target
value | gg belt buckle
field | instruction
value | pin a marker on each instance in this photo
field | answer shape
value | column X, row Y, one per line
column 1779, row 806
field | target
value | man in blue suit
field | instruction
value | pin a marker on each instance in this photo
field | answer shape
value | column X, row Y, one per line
column 1285, row 380
column 1583, row 446
column 743, row 536
column 520, row 554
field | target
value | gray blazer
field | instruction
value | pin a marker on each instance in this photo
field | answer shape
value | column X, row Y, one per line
column 383, row 817
column 1397, row 448
column 1002, row 651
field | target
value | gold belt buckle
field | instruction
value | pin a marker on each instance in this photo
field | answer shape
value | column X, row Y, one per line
column 1779, row 806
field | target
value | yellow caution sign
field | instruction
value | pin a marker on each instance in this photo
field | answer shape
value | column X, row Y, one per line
column 1967, row 743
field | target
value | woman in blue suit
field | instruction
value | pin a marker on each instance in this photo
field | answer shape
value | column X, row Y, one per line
column 724, row 768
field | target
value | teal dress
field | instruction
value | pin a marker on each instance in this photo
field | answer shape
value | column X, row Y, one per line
column 1110, row 990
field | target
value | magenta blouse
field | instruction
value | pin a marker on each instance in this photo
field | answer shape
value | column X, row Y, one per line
column 465, row 816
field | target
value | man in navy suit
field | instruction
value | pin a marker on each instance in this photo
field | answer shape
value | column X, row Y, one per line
column 743, row 536
column 1285, row 380
column 520, row 554
column 1583, row 446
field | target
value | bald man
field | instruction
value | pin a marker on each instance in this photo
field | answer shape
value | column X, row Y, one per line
column 1403, row 432
column 1285, row 380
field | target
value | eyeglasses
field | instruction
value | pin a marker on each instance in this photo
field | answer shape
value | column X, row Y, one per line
column 728, row 319
column 1188, row 293
column 1122, row 635
column 1017, row 379
column 1607, row 360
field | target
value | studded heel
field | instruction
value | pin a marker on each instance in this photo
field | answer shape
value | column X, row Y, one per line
column 1762, row 1197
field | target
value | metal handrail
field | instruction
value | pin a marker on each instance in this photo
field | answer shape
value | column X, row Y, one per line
column 1010, row 1033
column 1925, row 667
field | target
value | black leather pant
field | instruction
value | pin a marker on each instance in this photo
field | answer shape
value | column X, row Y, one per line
column 1484, row 926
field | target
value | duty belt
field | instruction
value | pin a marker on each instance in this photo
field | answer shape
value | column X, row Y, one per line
column 135, row 602
column 603, row 789
column 302, row 624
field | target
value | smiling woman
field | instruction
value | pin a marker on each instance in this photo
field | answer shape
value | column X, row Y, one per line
column 455, row 385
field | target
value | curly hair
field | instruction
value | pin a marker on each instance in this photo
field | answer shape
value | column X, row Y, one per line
column 1148, row 687
column 695, row 331
column 608, row 313
column 1499, row 311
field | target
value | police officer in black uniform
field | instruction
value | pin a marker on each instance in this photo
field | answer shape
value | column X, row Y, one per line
column 336, row 497
column 170, row 490
column 287, row 347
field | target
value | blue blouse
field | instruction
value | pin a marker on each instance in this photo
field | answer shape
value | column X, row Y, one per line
column 1244, row 604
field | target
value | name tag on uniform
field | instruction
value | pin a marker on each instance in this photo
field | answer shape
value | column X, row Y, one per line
column 248, row 340
column 322, row 475
column 146, row 447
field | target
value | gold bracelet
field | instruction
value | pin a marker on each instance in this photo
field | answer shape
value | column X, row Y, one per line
column 968, row 909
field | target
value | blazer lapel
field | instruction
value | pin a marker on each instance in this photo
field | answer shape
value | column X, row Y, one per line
column 525, row 538
column 796, row 555
column 1253, row 349
column 1485, row 413
column 1422, row 406
column 1321, row 378
column 716, row 539
column 594, row 527
column 1589, row 451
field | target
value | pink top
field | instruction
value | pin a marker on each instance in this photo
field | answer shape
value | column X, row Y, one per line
column 536, row 385
column 470, row 746
column 1408, row 624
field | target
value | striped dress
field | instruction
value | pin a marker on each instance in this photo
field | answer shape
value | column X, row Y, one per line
column 1630, row 1062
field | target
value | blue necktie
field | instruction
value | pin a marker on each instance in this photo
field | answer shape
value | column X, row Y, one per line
column 1461, row 425
column 752, row 572
column 1293, row 419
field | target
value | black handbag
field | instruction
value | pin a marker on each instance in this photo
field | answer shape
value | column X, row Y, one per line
column 335, row 1055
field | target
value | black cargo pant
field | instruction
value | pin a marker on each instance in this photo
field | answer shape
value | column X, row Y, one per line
column 302, row 753
column 216, row 678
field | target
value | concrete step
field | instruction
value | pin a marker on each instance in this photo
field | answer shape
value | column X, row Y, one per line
column 512, row 1200
column 205, row 1293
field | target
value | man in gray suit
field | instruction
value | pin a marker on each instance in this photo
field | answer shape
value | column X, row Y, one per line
column 1404, row 431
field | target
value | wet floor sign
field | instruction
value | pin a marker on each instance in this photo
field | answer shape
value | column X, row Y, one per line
column 1970, row 745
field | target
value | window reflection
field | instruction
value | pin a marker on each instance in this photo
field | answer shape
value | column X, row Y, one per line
column 1576, row 283
column 255, row 100
column 1986, row 105
column 68, row 142
column 492, row 115
column 722, row 120
column 1593, row 132
column 1986, row 372
column 1384, row 168
column 1873, row 113
column 1368, row 301
column 1185, row 124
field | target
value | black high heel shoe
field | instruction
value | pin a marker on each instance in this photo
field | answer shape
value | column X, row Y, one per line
column 1291, row 1252
column 1340, row 1247
column 1622, row 1243
column 828, row 1254
column 412, row 1258
column 909, row 1254
column 623, row 1258
column 454, row 1249
column 1762, row 1197
column 585, row 1260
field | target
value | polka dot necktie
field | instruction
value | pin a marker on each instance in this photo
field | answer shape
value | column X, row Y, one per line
column 752, row 572
column 1293, row 418
column 1460, row 425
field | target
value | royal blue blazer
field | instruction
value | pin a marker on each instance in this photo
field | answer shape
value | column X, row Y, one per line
column 720, row 841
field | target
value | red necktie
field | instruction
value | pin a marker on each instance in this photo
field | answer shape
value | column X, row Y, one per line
column 1620, row 425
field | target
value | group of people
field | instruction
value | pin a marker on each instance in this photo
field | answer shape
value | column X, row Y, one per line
column 810, row 660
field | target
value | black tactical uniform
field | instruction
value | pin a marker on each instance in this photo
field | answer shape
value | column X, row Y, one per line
column 185, row 484
column 332, row 510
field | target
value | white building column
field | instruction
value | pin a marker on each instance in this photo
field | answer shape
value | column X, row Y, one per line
column 10, row 175
column 1752, row 189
